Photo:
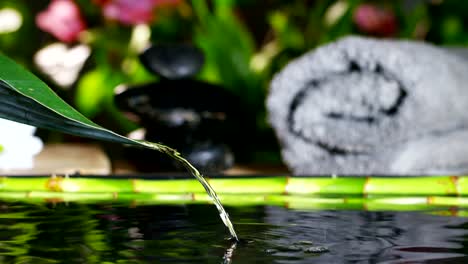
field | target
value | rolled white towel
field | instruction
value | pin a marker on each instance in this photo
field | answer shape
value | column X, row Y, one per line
column 367, row 106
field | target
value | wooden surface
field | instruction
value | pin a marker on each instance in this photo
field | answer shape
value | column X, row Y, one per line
column 68, row 159
column 122, row 167
column 65, row 159
column 257, row 169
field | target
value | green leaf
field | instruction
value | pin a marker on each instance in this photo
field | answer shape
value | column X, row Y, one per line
column 26, row 99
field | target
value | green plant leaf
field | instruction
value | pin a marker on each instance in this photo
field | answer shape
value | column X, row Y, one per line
column 26, row 99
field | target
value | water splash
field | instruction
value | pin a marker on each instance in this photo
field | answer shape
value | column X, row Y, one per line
column 227, row 258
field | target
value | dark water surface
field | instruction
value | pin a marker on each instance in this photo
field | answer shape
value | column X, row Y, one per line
column 126, row 233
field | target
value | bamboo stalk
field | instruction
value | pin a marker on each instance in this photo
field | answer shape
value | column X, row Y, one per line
column 363, row 186
column 302, row 185
column 387, row 203
column 446, row 185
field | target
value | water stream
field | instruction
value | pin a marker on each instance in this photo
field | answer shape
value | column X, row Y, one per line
column 209, row 190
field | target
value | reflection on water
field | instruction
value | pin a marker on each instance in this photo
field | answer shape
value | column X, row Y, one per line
column 126, row 233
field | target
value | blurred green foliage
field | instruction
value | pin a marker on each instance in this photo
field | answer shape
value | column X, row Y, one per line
column 245, row 44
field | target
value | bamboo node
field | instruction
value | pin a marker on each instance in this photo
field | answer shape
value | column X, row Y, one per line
column 454, row 180
column 54, row 184
column 134, row 186
column 430, row 200
column 365, row 187
column 286, row 186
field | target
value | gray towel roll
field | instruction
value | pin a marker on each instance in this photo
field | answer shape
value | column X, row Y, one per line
column 367, row 106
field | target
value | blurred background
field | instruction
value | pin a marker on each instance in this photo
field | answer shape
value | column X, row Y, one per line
column 85, row 49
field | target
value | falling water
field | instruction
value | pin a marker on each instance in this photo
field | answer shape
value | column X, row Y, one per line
column 209, row 190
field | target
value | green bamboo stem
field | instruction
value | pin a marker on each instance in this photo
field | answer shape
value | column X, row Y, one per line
column 419, row 203
column 361, row 186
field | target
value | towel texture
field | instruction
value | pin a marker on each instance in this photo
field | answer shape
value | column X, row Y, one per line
column 366, row 106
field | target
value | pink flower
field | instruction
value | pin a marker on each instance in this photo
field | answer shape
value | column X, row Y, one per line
column 131, row 12
column 375, row 20
column 62, row 19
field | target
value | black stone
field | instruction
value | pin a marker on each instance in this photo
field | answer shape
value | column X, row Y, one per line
column 208, row 158
column 173, row 61
column 196, row 118
column 169, row 102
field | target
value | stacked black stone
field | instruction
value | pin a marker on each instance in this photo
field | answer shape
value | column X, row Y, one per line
column 191, row 116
